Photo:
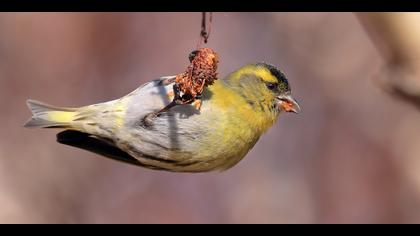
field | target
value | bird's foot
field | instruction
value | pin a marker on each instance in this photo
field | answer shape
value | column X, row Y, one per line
column 148, row 120
column 197, row 104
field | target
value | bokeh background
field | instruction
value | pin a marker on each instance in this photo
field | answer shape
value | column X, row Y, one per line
column 350, row 156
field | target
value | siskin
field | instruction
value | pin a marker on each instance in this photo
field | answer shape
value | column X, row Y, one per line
column 234, row 113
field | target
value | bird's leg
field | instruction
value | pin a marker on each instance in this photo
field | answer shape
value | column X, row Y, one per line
column 148, row 119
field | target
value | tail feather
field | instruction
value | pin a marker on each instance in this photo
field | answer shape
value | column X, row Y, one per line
column 45, row 115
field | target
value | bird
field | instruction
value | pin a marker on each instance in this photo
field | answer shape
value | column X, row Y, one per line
column 234, row 113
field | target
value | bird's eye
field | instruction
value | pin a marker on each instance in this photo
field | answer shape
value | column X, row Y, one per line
column 271, row 86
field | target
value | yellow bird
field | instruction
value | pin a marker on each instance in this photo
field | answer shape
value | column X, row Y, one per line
column 234, row 113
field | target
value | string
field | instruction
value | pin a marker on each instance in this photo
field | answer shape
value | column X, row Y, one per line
column 205, row 32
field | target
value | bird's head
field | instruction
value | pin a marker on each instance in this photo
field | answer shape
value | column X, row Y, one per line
column 264, row 87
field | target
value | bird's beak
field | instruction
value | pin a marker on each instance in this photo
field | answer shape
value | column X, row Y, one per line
column 288, row 103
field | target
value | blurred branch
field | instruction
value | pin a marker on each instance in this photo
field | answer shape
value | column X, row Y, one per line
column 397, row 37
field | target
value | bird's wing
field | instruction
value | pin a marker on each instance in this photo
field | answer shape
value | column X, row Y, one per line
column 176, row 135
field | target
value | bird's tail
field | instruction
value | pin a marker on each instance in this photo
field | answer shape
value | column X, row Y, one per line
column 47, row 116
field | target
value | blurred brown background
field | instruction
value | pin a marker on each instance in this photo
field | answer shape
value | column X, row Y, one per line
column 350, row 156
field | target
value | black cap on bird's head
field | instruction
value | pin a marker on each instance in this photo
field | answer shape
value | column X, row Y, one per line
column 277, row 73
